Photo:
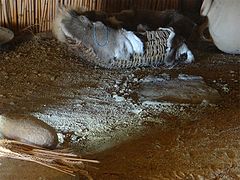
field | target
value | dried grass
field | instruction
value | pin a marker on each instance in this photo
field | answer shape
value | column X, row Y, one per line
column 60, row 160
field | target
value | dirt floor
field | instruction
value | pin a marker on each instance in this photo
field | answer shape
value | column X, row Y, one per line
column 95, row 114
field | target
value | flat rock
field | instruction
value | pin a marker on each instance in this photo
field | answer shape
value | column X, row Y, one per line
column 184, row 89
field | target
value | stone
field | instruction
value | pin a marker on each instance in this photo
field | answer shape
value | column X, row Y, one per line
column 28, row 129
column 184, row 89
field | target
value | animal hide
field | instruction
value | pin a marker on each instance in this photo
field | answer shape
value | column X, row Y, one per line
column 151, row 20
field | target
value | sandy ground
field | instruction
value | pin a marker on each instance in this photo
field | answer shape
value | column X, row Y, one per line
column 102, row 115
